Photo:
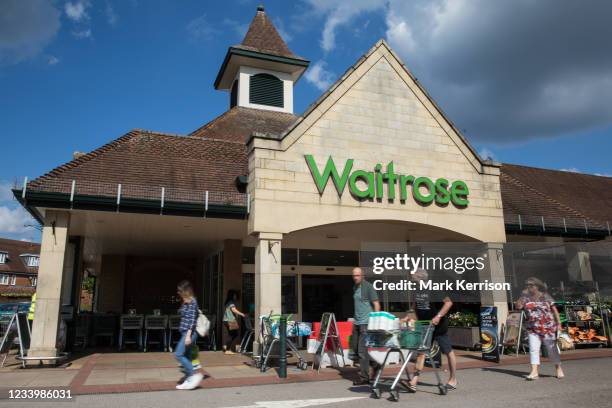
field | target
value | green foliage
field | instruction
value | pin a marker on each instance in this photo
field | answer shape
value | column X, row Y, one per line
column 463, row 319
column 88, row 284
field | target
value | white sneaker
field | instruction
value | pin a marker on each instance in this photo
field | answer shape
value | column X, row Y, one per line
column 192, row 382
column 182, row 386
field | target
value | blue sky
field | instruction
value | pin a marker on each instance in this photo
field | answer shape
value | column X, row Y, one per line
column 525, row 85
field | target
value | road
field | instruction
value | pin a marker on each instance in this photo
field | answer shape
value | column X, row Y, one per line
column 587, row 383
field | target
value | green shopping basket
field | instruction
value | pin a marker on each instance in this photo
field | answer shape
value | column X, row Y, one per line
column 416, row 337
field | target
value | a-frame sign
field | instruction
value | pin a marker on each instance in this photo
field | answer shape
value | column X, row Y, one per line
column 328, row 341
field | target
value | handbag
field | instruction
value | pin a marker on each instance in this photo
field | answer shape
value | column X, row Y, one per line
column 233, row 325
column 202, row 324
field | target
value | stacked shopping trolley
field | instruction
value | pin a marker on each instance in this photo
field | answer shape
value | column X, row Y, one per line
column 269, row 337
column 388, row 342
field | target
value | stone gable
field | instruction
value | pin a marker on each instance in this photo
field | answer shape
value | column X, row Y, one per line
column 375, row 114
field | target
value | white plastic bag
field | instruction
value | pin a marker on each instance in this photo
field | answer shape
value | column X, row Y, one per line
column 202, row 324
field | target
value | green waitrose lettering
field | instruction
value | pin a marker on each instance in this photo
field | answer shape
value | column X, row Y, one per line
column 423, row 189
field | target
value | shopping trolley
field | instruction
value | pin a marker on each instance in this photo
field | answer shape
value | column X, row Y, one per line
column 407, row 343
column 269, row 337
column 248, row 335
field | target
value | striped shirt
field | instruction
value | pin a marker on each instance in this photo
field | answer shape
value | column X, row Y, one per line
column 189, row 315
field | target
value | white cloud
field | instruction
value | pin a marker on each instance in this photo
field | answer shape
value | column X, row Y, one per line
column 200, row 28
column 280, row 27
column 82, row 34
column 111, row 15
column 239, row 28
column 339, row 13
column 26, row 28
column 52, row 60
column 319, row 76
column 510, row 71
column 77, row 11
column 576, row 170
column 5, row 191
column 487, row 154
column 15, row 220
column 503, row 71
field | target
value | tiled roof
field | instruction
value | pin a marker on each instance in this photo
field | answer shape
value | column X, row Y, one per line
column 15, row 249
column 239, row 123
column 143, row 162
column 263, row 37
column 555, row 195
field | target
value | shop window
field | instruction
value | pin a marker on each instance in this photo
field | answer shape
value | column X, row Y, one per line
column 3, row 257
column 248, row 255
column 248, row 293
column 88, row 290
column 289, row 256
column 289, row 298
column 289, row 294
column 323, row 257
column 4, row 279
column 266, row 89
column 327, row 293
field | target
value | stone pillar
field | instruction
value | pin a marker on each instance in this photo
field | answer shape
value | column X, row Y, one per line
column 494, row 272
column 49, row 287
column 267, row 277
column 578, row 263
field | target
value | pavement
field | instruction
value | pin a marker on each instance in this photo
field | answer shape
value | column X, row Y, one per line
column 111, row 372
column 587, row 383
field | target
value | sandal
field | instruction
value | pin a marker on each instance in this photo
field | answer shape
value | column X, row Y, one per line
column 532, row 377
column 361, row 381
column 411, row 388
column 451, row 387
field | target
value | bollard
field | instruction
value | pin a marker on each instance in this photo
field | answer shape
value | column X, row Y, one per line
column 282, row 347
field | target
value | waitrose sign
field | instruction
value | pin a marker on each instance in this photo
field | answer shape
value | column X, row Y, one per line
column 375, row 184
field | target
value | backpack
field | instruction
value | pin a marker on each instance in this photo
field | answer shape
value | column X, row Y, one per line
column 202, row 324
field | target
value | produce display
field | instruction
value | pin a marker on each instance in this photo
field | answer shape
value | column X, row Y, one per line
column 587, row 335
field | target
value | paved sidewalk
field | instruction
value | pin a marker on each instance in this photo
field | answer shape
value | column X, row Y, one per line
column 587, row 383
column 135, row 371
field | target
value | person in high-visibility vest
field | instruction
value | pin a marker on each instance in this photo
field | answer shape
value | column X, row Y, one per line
column 32, row 308
column 31, row 311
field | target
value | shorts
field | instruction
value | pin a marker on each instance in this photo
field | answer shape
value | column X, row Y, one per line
column 444, row 342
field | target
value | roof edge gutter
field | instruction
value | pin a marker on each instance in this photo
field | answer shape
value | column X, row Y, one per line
column 139, row 206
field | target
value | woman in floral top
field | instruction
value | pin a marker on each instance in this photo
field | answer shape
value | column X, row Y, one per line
column 543, row 321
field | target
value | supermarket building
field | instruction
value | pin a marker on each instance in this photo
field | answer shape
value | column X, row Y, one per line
column 244, row 202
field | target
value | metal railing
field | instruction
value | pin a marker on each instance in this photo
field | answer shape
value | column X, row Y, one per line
column 557, row 224
column 119, row 193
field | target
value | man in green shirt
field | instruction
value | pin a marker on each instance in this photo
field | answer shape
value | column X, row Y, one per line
column 366, row 301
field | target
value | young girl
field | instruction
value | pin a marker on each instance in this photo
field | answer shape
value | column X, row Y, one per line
column 189, row 316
